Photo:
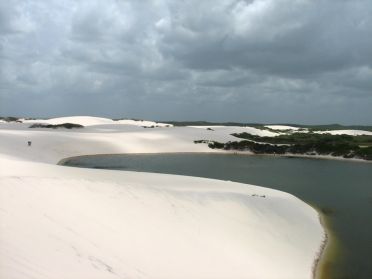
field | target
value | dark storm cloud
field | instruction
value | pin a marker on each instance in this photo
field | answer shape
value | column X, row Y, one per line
column 277, row 37
column 257, row 60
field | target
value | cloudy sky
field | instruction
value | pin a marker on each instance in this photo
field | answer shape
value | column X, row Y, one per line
column 294, row 61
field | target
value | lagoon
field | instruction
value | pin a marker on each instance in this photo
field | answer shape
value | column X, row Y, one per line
column 341, row 190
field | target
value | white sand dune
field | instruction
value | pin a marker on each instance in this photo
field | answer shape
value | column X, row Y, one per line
column 237, row 129
column 63, row 222
column 282, row 127
column 92, row 121
column 143, row 123
column 81, row 120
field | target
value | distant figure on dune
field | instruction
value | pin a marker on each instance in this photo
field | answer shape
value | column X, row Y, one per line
column 29, row 143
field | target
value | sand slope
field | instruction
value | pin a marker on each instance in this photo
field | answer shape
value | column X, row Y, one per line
column 62, row 222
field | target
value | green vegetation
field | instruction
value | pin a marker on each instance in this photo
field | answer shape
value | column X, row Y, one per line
column 201, row 141
column 10, row 119
column 309, row 138
column 337, row 127
column 64, row 125
column 301, row 143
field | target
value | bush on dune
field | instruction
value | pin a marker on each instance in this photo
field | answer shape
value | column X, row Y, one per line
column 51, row 126
column 10, row 119
column 323, row 146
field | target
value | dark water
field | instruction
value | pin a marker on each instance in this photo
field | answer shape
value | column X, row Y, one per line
column 342, row 190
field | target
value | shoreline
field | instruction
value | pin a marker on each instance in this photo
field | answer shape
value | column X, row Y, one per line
column 319, row 262
column 330, row 251
column 292, row 155
column 227, row 152
column 326, row 245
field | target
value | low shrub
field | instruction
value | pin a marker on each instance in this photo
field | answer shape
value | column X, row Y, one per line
column 51, row 126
